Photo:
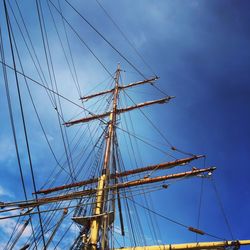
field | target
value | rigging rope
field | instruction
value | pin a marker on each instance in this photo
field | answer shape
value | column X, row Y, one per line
column 34, row 106
column 199, row 208
column 81, row 39
column 71, row 57
column 22, row 113
column 155, row 127
column 105, row 39
column 60, row 95
column 137, row 235
column 70, row 50
column 173, row 221
column 222, row 208
column 55, row 94
column 39, row 67
column 142, row 140
column 125, row 37
column 149, row 218
column 15, row 229
column 12, row 122
column 51, row 71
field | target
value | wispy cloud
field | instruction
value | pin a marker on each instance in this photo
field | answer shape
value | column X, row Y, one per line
column 5, row 192
column 7, row 152
column 7, row 226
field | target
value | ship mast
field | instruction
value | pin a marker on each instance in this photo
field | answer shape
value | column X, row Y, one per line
column 95, row 224
column 94, row 234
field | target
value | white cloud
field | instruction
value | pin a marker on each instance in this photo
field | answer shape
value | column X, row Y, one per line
column 4, row 192
column 117, row 230
column 140, row 40
column 7, row 152
column 50, row 138
column 7, row 226
column 2, row 245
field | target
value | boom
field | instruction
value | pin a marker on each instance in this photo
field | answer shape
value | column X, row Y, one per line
column 197, row 245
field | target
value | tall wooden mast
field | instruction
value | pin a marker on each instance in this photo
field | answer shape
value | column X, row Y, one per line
column 94, row 234
column 100, row 195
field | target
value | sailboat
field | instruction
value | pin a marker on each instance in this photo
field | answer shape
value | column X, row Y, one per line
column 93, row 187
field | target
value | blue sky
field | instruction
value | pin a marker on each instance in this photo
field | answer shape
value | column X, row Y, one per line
column 200, row 51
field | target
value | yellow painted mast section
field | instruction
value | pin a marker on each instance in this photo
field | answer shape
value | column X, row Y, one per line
column 96, row 222
column 197, row 245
